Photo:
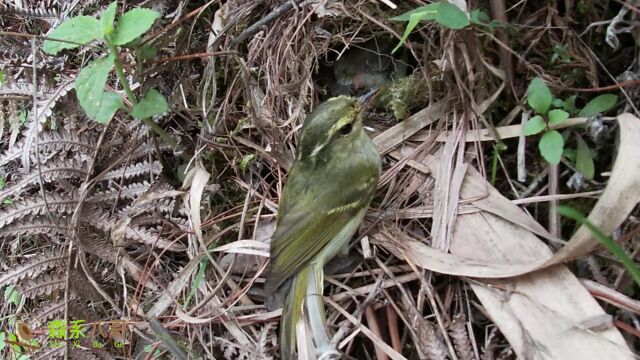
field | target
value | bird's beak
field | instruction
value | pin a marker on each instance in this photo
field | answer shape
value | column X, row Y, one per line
column 367, row 99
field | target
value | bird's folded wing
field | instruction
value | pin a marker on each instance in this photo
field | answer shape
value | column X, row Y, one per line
column 302, row 233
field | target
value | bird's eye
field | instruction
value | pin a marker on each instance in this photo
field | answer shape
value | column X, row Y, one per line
column 346, row 129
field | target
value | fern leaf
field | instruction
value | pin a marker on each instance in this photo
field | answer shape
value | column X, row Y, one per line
column 48, row 353
column 32, row 267
column 44, row 284
column 44, row 107
column 38, row 225
column 64, row 169
column 130, row 191
column 58, row 204
column 46, row 312
column 103, row 221
column 52, row 142
column 134, row 170
column 40, row 13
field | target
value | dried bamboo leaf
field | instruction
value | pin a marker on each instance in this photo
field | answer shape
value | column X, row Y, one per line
column 400, row 132
column 33, row 267
column 195, row 181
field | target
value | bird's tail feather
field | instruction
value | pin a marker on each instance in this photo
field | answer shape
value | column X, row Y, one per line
column 303, row 326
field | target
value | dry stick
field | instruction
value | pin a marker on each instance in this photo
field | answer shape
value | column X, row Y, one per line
column 175, row 24
column 255, row 27
column 616, row 86
column 189, row 57
column 373, row 325
column 498, row 9
column 554, row 188
column 394, row 333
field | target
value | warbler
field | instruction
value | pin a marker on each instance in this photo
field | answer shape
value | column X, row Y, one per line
column 327, row 193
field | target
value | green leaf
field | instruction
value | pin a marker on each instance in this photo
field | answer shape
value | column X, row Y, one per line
column 557, row 103
column 584, row 160
column 90, row 85
column 598, row 105
column 133, row 24
column 608, row 243
column 414, row 19
column 146, row 52
column 534, row 125
column 153, row 103
column 110, row 104
column 197, row 281
column 108, row 17
column 570, row 154
column 480, row 17
column 426, row 12
column 11, row 295
column 1, row 77
column 539, row 96
column 444, row 13
column 3, row 338
column 570, row 105
column 79, row 29
column 451, row 16
column 551, row 145
column 557, row 117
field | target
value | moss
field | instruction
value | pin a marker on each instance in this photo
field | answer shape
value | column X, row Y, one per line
column 403, row 95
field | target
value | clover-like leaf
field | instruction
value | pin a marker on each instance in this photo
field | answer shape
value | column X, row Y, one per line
column 108, row 17
column 90, row 85
column 551, row 145
column 584, row 160
column 599, row 105
column 534, row 125
column 153, row 103
column 557, row 117
column 539, row 96
column 110, row 104
column 79, row 30
column 134, row 23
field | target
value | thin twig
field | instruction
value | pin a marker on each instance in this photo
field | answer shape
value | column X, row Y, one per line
column 255, row 27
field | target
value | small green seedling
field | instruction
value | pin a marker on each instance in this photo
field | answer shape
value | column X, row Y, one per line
column 98, row 104
column 551, row 112
column 560, row 54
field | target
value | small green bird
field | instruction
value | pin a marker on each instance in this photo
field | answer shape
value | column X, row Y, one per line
column 327, row 193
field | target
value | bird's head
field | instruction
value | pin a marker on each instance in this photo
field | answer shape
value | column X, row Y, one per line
column 334, row 124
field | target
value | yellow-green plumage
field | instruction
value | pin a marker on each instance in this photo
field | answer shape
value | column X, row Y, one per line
column 323, row 202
